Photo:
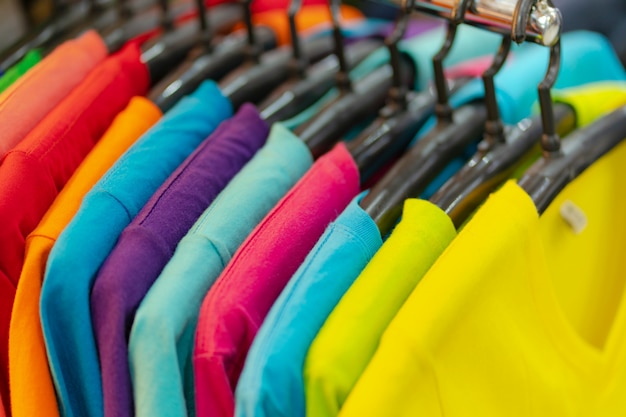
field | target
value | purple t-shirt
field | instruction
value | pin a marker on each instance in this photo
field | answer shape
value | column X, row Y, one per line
column 147, row 244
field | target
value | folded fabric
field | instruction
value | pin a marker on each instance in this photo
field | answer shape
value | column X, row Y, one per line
column 161, row 340
column 88, row 239
column 50, row 81
column 30, row 374
column 148, row 242
column 236, row 305
column 271, row 383
column 33, row 173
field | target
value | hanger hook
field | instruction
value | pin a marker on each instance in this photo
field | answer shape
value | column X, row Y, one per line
column 299, row 61
column 343, row 76
column 442, row 108
column 166, row 19
column 494, row 129
column 398, row 92
column 205, row 31
column 254, row 52
column 124, row 10
column 550, row 140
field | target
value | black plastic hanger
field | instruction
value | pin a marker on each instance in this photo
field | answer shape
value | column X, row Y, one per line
column 562, row 164
column 213, row 62
column 410, row 176
column 500, row 153
column 404, row 115
column 255, row 80
column 165, row 53
column 307, row 85
column 295, row 96
column 355, row 103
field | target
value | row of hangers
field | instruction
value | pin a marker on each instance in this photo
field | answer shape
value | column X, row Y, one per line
column 287, row 80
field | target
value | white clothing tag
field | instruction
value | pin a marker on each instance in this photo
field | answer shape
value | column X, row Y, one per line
column 573, row 216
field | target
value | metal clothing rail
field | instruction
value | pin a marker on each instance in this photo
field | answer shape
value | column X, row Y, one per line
column 537, row 21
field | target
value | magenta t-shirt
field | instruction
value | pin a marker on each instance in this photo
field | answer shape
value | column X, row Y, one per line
column 234, row 308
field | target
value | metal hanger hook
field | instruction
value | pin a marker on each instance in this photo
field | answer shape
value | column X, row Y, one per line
column 299, row 61
column 443, row 109
column 205, row 31
column 398, row 92
column 550, row 141
column 343, row 77
column 494, row 129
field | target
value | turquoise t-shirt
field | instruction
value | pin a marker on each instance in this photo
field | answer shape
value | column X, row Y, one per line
column 162, row 336
column 87, row 240
column 271, row 384
column 471, row 42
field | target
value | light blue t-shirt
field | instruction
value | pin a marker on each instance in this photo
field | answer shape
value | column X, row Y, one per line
column 162, row 336
column 585, row 57
column 271, row 383
column 87, row 240
column 470, row 43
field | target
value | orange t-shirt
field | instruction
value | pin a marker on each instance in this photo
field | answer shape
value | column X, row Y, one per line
column 32, row 390
column 307, row 18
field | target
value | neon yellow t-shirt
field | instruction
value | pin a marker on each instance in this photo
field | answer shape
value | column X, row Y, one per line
column 594, row 100
column 520, row 316
column 349, row 337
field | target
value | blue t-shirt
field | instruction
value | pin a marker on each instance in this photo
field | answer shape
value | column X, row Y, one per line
column 271, row 384
column 87, row 240
column 162, row 336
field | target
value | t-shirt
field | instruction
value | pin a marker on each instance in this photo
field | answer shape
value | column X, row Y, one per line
column 30, row 375
column 592, row 101
column 520, row 315
column 148, row 242
column 307, row 18
column 88, row 239
column 161, row 339
column 13, row 74
column 50, row 82
column 34, row 172
column 271, row 383
column 236, row 305
column 344, row 345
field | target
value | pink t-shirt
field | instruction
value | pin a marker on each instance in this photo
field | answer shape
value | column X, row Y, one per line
column 234, row 309
column 50, row 81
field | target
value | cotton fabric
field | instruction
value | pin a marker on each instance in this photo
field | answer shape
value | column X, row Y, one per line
column 345, row 343
column 88, row 239
column 271, row 383
column 537, row 307
column 33, row 173
column 148, row 242
column 19, row 113
column 592, row 101
column 30, row 374
column 161, row 340
column 236, row 305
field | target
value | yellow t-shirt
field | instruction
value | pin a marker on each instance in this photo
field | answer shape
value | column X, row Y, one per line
column 520, row 316
column 594, row 100
column 349, row 337
column 32, row 390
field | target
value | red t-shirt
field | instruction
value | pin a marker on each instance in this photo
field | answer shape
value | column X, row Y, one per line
column 33, row 173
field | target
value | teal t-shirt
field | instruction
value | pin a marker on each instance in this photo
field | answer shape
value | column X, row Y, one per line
column 87, row 240
column 162, row 336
